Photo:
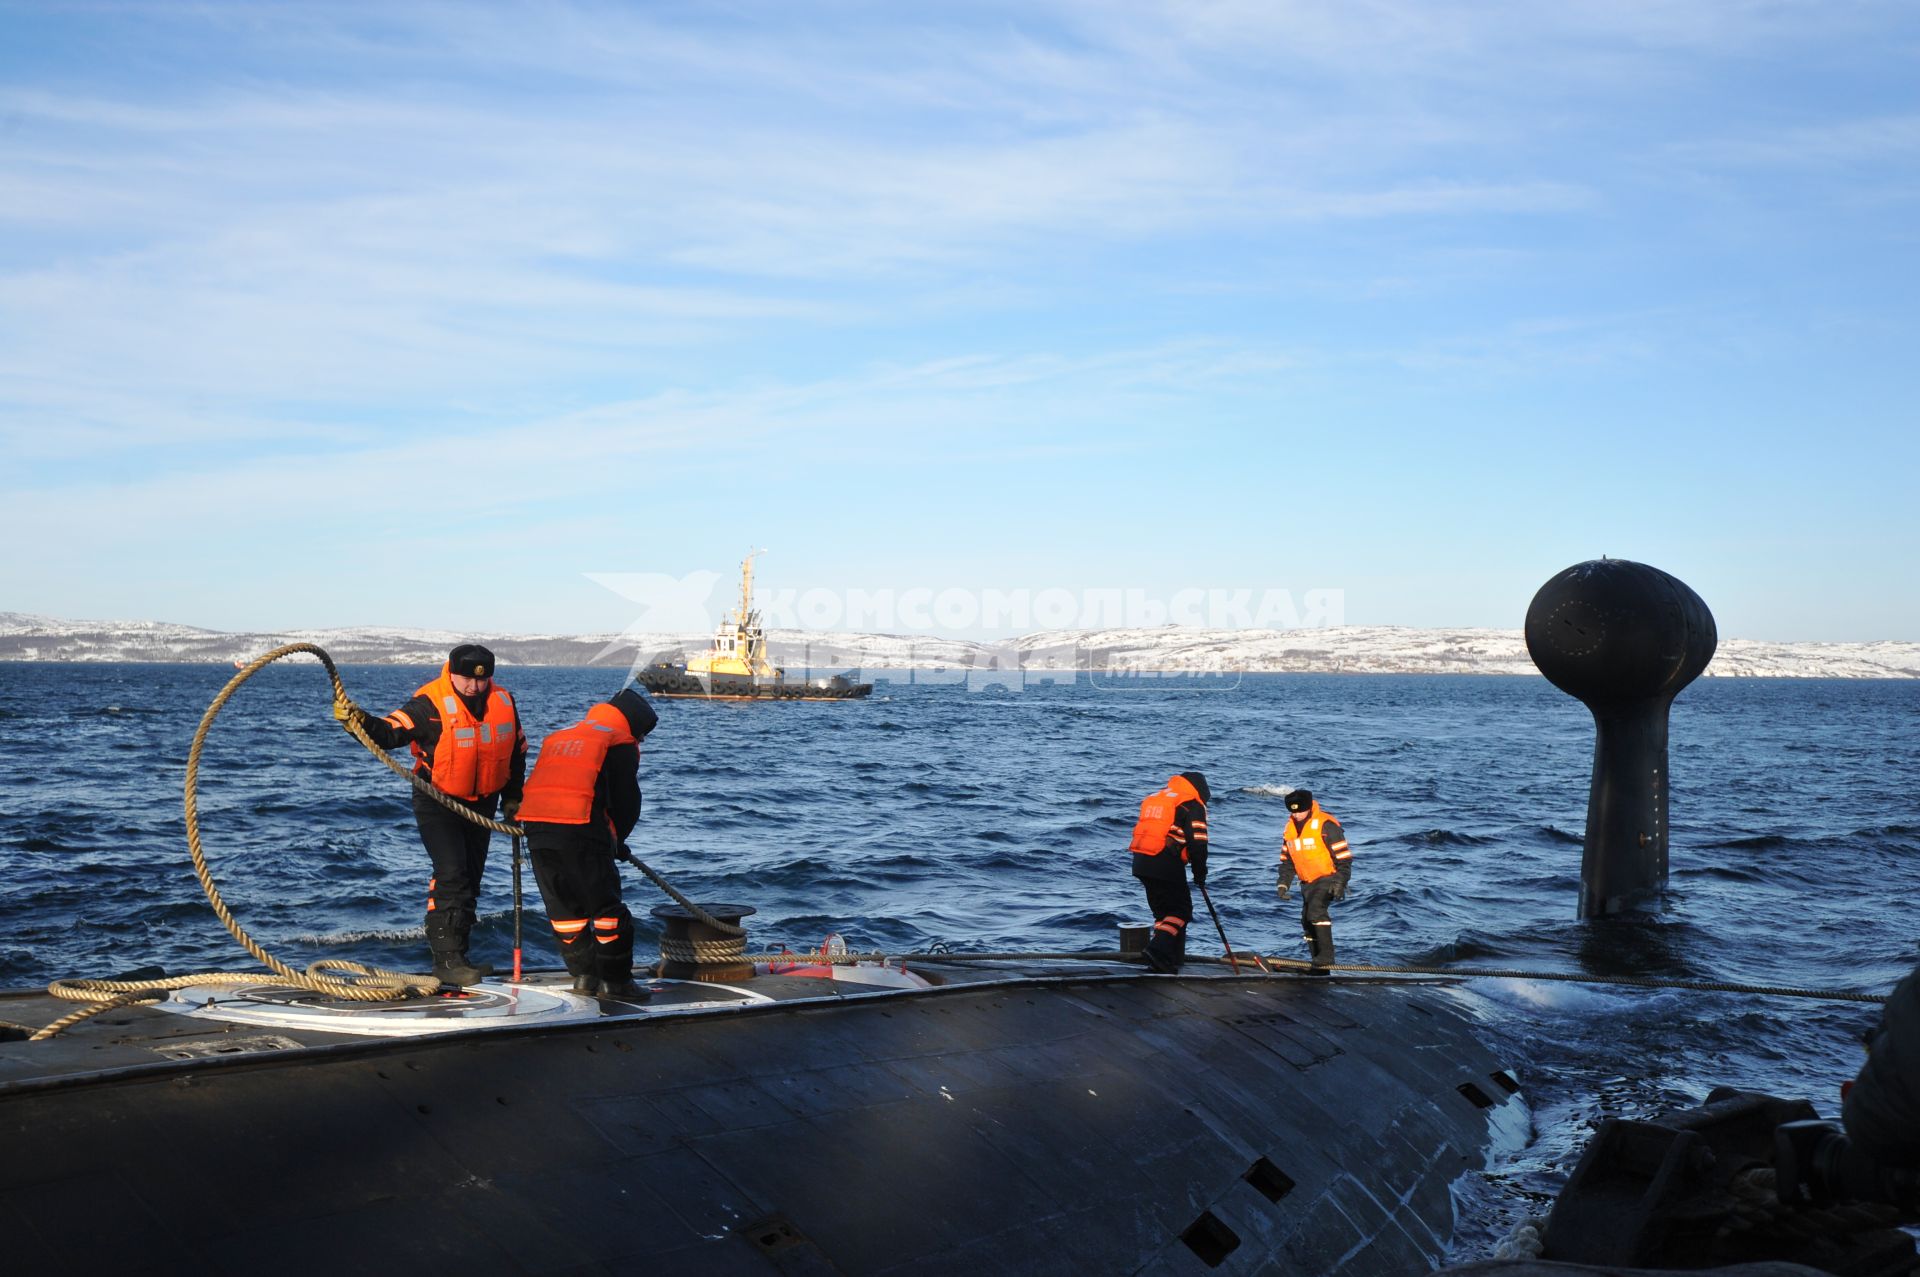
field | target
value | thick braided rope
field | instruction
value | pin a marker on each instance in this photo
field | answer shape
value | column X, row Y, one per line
column 703, row 952
column 724, row 928
column 365, row 983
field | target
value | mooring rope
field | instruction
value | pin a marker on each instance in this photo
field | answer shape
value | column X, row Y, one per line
column 356, row 982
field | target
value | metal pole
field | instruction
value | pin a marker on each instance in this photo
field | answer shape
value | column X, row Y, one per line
column 516, row 909
column 1231, row 960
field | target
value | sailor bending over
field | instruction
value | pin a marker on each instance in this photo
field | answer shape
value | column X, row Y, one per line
column 1171, row 834
column 582, row 801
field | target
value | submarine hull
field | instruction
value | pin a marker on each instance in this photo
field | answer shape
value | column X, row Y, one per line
column 1069, row 1125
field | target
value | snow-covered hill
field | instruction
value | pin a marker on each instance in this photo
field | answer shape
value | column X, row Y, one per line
column 1353, row 649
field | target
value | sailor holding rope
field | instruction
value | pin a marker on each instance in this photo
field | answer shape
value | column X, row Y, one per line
column 464, row 730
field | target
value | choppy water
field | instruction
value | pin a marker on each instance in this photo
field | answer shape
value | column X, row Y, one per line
column 998, row 820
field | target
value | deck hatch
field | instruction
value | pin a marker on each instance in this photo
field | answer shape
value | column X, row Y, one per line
column 1271, row 1182
column 1210, row 1239
column 1481, row 1100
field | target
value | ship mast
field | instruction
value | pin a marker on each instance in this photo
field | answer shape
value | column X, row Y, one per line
column 741, row 617
column 752, row 640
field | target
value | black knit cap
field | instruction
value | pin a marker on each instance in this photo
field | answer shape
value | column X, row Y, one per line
column 470, row 660
column 1300, row 800
column 1199, row 782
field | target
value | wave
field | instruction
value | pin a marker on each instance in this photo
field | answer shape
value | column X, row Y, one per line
column 1758, row 842
column 1442, row 838
column 1721, row 873
column 1464, row 947
column 1268, row 791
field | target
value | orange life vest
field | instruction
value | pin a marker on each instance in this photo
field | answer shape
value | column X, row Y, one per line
column 1304, row 845
column 1151, row 830
column 560, row 790
column 473, row 756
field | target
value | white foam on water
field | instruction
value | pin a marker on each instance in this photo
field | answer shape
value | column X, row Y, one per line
column 1555, row 995
column 338, row 938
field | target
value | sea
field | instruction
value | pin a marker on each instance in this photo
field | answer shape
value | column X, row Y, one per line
column 944, row 812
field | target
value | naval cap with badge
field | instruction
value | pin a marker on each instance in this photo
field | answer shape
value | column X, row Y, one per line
column 470, row 660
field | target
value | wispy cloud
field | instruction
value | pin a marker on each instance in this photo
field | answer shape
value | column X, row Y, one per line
column 257, row 261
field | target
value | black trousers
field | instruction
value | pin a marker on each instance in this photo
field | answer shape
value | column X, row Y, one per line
column 1171, row 901
column 581, row 888
column 458, row 850
column 1316, row 928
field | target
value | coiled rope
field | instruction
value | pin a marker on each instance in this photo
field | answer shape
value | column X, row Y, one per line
column 710, row 953
column 355, row 981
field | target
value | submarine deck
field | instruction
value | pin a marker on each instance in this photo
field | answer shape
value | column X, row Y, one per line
column 1035, row 1117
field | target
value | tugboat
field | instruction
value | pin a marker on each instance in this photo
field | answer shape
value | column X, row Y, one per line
column 735, row 665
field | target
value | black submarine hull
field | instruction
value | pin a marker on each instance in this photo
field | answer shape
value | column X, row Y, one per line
column 1055, row 1125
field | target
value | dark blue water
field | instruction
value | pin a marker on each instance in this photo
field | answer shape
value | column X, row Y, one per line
column 998, row 820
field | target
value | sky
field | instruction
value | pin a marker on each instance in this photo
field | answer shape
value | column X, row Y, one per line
column 445, row 315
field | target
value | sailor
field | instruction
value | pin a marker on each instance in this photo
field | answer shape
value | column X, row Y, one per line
column 465, row 733
column 1313, row 848
column 1170, row 834
column 582, row 802
column 1882, row 1107
column 1873, row 1153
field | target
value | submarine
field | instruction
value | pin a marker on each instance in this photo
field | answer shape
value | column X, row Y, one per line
column 836, row 1113
column 735, row 666
column 928, row 1116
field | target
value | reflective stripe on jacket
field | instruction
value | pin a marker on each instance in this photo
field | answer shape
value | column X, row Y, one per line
column 473, row 757
column 560, row 790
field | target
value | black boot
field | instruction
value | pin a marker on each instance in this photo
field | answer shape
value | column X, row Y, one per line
column 454, row 973
column 623, row 988
column 1167, row 945
column 462, row 931
column 1322, row 947
column 587, row 985
column 447, row 941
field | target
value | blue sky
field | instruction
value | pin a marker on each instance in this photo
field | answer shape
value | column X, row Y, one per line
column 339, row 314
